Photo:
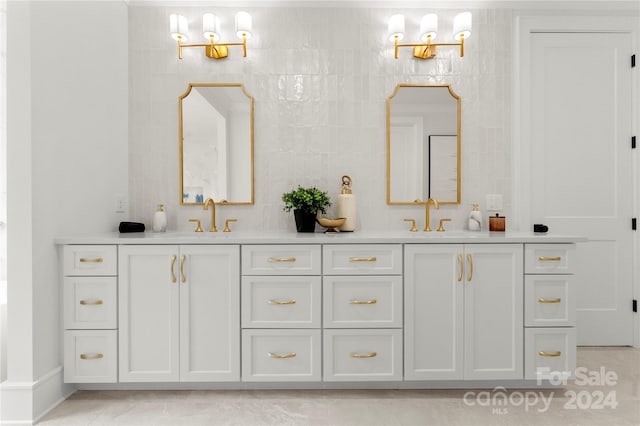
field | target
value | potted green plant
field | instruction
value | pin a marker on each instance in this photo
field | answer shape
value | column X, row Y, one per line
column 306, row 202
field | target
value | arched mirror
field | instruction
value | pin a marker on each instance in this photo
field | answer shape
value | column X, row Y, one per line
column 423, row 144
column 216, row 144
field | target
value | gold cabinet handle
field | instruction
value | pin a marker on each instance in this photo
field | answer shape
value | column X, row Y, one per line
column 549, row 259
column 281, row 259
column 91, row 302
column 363, row 302
column 551, row 354
column 182, row 276
column 281, row 302
column 470, row 261
column 282, row 356
column 363, row 356
column 461, row 273
column 90, row 357
column 94, row 260
column 173, row 265
column 543, row 300
column 363, row 259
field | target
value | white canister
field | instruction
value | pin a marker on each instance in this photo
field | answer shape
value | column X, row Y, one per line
column 346, row 206
column 160, row 219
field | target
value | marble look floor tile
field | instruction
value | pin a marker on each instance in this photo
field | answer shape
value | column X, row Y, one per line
column 371, row 407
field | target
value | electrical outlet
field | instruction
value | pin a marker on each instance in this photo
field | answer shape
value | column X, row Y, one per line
column 494, row 202
column 121, row 203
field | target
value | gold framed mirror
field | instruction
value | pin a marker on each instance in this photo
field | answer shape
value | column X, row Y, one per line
column 216, row 144
column 423, row 144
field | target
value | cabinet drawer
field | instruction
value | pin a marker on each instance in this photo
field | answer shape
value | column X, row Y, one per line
column 90, row 302
column 362, row 355
column 281, row 355
column 90, row 356
column 271, row 302
column 362, row 302
column 90, row 260
column 549, row 352
column 549, row 301
column 285, row 259
column 362, row 259
column 549, row 258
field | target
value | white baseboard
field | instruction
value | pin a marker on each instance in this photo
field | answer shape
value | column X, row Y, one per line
column 24, row 403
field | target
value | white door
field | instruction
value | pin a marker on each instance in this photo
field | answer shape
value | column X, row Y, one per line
column 209, row 313
column 433, row 302
column 580, row 162
column 493, row 311
column 148, row 313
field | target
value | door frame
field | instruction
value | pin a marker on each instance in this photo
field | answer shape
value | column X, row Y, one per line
column 524, row 26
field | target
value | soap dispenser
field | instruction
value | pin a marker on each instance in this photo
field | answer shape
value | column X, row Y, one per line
column 160, row 219
column 346, row 206
column 475, row 219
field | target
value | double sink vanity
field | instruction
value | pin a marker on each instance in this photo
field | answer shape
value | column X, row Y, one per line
column 317, row 310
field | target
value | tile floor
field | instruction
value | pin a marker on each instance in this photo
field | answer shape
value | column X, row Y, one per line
column 578, row 404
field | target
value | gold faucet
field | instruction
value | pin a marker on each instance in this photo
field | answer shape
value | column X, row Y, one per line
column 207, row 202
column 427, row 226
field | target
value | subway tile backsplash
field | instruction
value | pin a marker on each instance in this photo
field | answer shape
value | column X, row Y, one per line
column 320, row 78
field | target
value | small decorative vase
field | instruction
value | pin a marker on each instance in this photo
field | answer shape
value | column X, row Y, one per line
column 305, row 221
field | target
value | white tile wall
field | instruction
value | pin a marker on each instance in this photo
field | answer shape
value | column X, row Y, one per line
column 320, row 79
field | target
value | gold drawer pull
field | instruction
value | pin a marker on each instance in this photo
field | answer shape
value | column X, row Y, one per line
column 94, row 260
column 552, row 354
column 281, row 302
column 94, row 302
column 549, row 259
column 461, row 265
column 363, row 356
column 363, row 259
column 183, row 278
column 90, row 357
column 286, row 259
column 363, row 302
column 282, row 356
column 542, row 300
column 173, row 264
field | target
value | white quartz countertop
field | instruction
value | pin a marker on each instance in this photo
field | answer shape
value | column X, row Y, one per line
column 358, row 237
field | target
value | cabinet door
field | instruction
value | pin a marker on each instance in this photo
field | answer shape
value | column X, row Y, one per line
column 433, row 301
column 209, row 313
column 148, row 313
column 493, row 300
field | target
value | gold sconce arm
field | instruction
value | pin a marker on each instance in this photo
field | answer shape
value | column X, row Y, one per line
column 426, row 50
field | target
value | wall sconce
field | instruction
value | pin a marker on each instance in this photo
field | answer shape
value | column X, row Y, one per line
column 428, row 33
column 214, row 49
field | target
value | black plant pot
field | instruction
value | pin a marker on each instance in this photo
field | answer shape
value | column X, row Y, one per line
column 305, row 221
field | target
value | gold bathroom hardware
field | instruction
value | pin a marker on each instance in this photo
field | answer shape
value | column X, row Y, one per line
column 281, row 259
column 470, row 261
column 94, row 302
column 183, row 258
column 214, row 49
column 209, row 202
column 363, row 259
column 428, row 32
column 226, row 225
column 173, row 265
column 282, row 356
column 363, row 356
column 549, row 354
column 427, row 212
column 95, row 260
column 542, row 300
column 549, row 259
column 199, row 227
column 281, row 302
column 441, row 226
column 90, row 357
column 461, row 267
column 363, row 302
column 413, row 224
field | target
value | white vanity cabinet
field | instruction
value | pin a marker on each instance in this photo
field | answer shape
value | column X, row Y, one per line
column 179, row 313
column 549, row 303
column 463, row 311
